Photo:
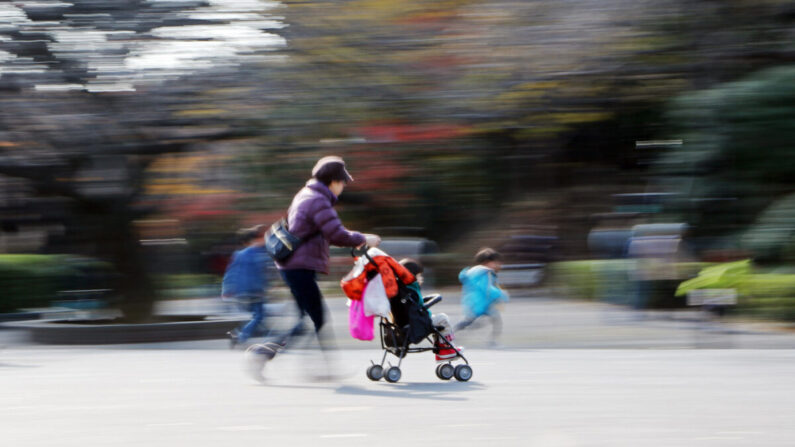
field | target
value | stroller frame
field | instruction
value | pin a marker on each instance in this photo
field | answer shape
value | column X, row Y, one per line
column 391, row 342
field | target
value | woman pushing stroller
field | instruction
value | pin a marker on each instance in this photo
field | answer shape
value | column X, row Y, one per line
column 311, row 218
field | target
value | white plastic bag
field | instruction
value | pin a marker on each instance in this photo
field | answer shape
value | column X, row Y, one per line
column 375, row 299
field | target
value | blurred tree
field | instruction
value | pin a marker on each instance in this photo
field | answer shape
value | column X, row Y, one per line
column 85, row 151
column 772, row 236
column 95, row 93
column 547, row 95
column 736, row 159
column 446, row 110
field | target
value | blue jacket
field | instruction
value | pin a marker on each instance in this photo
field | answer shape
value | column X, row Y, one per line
column 480, row 290
column 246, row 273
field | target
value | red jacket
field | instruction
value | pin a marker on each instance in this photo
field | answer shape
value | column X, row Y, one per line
column 354, row 282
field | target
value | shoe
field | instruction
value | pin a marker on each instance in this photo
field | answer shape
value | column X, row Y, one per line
column 446, row 354
column 266, row 350
column 274, row 346
column 444, row 350
column 256, row 356
column 233, row 340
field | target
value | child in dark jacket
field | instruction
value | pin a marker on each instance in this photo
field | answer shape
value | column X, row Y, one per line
column 246, row 281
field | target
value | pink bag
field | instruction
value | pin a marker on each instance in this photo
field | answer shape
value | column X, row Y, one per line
column 360, row 325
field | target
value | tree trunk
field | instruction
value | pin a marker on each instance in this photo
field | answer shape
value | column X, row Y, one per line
column 134, row 282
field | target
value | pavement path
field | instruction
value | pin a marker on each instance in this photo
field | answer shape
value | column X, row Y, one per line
column 540, row 389
column 197, row 395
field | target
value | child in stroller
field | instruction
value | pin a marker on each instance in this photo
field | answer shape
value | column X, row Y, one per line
column 410, row 322
column 439, row 320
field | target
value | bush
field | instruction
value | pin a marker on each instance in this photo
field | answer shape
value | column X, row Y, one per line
column 574, row 279
column 30, row 280
column 35, row 280
column 768, row 295
column 611, row 281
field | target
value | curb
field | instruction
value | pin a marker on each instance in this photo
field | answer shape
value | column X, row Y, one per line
column 19, row 316
column 61, row 332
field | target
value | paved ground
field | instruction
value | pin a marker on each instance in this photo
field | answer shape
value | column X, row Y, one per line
column 640, row 383
column 144, row 396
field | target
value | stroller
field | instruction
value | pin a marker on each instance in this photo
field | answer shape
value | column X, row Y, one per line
column 409, row 324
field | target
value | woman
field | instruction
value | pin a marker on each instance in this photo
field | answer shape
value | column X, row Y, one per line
column 312, row 218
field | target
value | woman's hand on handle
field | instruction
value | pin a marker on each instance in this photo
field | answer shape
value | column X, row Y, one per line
column 371, row 240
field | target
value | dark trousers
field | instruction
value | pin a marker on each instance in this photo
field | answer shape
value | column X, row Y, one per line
column 303, row 285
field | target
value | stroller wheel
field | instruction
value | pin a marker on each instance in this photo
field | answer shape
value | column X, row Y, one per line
column 392, row 374
column 438, row 374
column 375, row 372
column 445, row 371
column 463, row 373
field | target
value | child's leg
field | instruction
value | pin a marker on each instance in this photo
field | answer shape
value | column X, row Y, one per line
column 443, row 321
column 474, row 321
column 465, row 323
column 257, row 310
column 444, row 349
column 496, row 324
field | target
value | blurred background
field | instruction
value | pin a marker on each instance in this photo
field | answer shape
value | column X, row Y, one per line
column 628, row 151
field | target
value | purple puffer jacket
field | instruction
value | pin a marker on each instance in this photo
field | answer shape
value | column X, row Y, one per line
column 311, row 215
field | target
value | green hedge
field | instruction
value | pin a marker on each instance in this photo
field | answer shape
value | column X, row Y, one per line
column 35, row 280
column 577, row 279
column 610, row 280
column 768, row 295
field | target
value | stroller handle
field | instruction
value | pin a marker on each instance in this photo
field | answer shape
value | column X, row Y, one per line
column 430, row 300
column 359, row 251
